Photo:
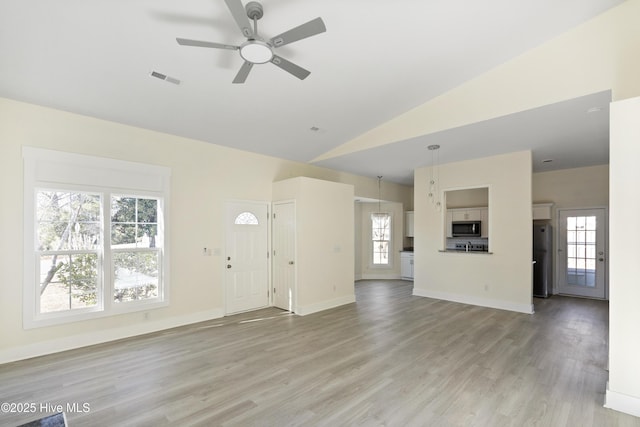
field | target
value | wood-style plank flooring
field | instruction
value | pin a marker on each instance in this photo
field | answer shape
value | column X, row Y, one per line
column 390, row 359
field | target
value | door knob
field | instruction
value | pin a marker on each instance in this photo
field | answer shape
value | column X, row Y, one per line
column 290, row 262
column 600, row 259
column 228, row 265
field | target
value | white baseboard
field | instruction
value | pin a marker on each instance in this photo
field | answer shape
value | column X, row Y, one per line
column 622, row 402
column 325, row 305
column 99, row 337
column 379, row 277
column 468, row 299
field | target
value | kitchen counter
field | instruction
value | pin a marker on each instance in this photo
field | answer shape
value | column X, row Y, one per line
column 462, row 251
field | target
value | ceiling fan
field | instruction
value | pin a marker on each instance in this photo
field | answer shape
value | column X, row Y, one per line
column 257, row 50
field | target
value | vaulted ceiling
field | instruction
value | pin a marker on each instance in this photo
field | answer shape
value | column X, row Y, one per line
column 376, row 61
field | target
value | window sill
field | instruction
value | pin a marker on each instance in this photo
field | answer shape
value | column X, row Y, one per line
column 53, row 319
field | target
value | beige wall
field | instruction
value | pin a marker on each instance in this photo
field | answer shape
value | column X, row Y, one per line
column 623, row 390
column 471, row 198
column 324, row 242
column 573, row 188
column 204, row 176
column 501, row 279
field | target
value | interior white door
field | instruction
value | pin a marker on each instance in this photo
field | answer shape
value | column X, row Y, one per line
column 284, row 262
column 581, row 252
column 246, row 262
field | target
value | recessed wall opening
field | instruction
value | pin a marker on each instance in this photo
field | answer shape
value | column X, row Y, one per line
column 467, row 220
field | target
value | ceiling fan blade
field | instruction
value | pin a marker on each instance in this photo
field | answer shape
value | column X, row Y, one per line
column 311, row 28
column 290, row 67
column 198, row 43
column 241, row 77
column 240, row 15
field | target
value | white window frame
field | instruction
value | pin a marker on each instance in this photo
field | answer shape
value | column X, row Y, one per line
column 35, row 254
column 388, row 265
column 60, row 171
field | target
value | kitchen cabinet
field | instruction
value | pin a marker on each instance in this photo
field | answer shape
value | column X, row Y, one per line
column 465, row 214
column 484, row 222
column 542, row 211
column 408, row 224
column 406, row 265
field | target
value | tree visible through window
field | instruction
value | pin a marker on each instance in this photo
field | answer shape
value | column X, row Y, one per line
column 381, row 236
column 68, row 238
column 135, row 255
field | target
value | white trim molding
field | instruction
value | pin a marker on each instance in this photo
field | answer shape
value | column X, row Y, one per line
column 324, row 305
column 390, row 276
column 482, row 302
column 622, row 402
column 103, row 336
column 46, row 170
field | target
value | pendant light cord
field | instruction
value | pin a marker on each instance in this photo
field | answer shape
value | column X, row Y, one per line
column 379, row 192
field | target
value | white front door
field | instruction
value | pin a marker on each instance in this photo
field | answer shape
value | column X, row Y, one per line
column 284, row 246
column 246, row 262
column 581, row 252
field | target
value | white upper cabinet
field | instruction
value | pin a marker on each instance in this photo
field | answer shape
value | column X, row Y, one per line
column 466, row 214
column 408, row 224
column 542, row 210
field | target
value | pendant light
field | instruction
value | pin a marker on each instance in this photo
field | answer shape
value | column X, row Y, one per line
column 434, row 177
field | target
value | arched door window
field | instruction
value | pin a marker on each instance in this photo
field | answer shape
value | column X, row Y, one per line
column 246, row 218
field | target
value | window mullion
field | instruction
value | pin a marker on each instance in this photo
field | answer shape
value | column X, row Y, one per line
column 107, row 269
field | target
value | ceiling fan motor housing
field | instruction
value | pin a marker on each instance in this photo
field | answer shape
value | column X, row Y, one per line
column 254, row 10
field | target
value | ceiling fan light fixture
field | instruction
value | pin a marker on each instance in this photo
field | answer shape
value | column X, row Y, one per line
column 256, row 52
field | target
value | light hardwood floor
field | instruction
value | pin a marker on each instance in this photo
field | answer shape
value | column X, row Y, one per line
column 390, row 359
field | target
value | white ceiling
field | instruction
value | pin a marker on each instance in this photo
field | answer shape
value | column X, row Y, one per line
column 377, row 60
column 569, row 133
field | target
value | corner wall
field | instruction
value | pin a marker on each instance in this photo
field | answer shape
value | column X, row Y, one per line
column 324, row 242
column 623, row 389
column 501, row 279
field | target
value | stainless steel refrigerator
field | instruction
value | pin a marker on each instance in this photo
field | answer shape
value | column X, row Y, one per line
column 542, row 255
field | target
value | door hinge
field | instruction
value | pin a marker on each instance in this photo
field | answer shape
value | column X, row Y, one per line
column 267, row 254
column 274, row 252
column 274, row 291
column 274, row 215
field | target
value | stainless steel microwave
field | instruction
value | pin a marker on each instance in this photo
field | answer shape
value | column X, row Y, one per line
column 465, row 229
